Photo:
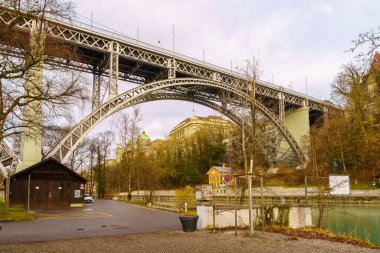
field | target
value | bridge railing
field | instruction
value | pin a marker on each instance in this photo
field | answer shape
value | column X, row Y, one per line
column 157, row 49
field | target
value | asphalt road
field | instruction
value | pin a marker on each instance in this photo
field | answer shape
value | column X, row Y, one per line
column 102, row 218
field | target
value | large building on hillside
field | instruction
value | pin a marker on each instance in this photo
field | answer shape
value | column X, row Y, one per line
column 373, row 76
column 372, row 82
column 190, row 126
column 143, row 140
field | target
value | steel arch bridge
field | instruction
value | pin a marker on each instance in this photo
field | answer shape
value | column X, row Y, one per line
column 188, row 89
column 162, row 74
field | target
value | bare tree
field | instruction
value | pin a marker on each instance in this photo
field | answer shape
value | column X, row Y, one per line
column 358, row 148
column 92, row 148
column 80, row 157
column 369, row 40
column 253, row 73
column 103, row 144
column 129, row 130
column 25, row 93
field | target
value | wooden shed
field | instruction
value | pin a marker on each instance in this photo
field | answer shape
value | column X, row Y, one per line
column 47, row 184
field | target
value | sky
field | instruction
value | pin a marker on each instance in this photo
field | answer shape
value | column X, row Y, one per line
column 296, row 41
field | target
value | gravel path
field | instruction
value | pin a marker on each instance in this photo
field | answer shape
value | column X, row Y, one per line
column 178, row 241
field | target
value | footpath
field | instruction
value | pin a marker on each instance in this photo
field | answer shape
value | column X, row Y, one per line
column 178, row 241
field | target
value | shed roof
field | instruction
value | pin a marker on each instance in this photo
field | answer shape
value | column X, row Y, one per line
column 222, row 169
column 50, row 160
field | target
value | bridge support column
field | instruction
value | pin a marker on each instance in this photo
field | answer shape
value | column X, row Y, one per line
column 31, row 137
column 216, row 76
column 297, row 122
column 281, row 107
column 171, row 68
column 113, row 69
column 97, row 78
column 325, row 116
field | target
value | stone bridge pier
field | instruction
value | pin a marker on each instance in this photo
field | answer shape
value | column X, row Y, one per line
column 297, row 122
column 31, row 137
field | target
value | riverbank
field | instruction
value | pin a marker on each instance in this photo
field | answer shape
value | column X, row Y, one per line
column 177, row 241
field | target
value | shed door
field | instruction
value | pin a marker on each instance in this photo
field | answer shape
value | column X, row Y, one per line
column 38, row 194
column 55, row 194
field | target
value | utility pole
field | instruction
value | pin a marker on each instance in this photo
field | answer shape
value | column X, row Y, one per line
column 307, row 97
column 173, row 41
column 7, row 189
column 92, row 15
column 262, row 202
column 138, row 35
column 251, row 229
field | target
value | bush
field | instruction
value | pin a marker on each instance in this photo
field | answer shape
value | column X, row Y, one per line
column 186, row 195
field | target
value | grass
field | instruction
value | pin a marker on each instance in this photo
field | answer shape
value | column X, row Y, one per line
column 134, row 202
column 315, row 233
column 15, row 214
column 364, row 187
column 309, row 233
column 190, row 212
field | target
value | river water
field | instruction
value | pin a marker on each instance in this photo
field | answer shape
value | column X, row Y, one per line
column 362, row 221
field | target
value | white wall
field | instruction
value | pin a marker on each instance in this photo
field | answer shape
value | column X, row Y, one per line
column 298, row 217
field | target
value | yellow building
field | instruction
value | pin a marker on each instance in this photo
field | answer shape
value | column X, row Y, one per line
column 219, row 176
column 190, row 126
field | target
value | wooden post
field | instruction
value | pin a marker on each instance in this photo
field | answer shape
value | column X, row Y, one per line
column 251, row 229
column 29, row 193
column 262, row 203
column 213, row 218
column 7, row 189
column 305, row 189
column 235, row 205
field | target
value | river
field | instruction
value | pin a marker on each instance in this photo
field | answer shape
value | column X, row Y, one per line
column 362, row 221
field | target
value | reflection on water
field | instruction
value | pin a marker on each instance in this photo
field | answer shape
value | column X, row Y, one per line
column 361, row 221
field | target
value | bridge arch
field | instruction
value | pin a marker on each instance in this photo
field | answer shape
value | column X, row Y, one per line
column 272, row 158
column 148, row 92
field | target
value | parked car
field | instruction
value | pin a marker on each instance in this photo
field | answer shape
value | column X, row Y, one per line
column 88, row 198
